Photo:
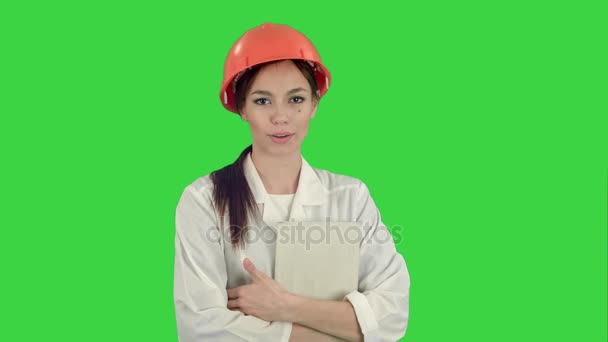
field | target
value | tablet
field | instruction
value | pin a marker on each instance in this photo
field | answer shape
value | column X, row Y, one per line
column 318, row 260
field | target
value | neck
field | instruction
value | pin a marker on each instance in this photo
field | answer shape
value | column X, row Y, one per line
column 280, row 174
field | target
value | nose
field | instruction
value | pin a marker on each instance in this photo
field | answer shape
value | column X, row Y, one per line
column 279, row 116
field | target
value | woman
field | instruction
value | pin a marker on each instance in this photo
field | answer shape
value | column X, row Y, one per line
column 224, row 288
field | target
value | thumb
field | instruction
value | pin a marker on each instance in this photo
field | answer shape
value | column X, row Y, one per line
column 250, row 267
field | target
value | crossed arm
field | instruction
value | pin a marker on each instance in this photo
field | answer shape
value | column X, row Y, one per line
column 312, row 319
column 263, row 310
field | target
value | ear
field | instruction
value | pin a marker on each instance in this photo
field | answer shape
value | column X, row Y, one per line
column 243, row 116
column 314, row 109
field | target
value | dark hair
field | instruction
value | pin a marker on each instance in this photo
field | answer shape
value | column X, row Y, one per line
column 231, row 192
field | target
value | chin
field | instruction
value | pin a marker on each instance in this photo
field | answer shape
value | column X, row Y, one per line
column 283, row 150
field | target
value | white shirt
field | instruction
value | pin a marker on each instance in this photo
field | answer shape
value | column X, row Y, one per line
column 205, row 265
column 282, row 204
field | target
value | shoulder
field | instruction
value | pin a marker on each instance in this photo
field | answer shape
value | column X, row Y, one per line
column 201, row 185
column 350, row 194
column 199, row 189
column 337, row 183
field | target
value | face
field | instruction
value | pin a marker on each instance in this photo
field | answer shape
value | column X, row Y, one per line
column 278, row 107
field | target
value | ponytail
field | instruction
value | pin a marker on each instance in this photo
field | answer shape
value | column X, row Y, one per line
column 232, row 195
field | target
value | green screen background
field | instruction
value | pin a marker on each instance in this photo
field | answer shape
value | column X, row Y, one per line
column 479, row 127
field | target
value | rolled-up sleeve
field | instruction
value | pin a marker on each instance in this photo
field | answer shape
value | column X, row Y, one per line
column 381, row 303
column 200, row 279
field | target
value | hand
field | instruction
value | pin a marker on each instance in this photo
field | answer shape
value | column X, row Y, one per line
column 264, row 298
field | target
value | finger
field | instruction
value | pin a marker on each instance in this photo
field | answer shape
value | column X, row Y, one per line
column 251, row 269
column 233, row 293
column 248, row 265
column 233, row 304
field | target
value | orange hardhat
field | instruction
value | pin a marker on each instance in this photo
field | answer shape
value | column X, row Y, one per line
column 266, row 43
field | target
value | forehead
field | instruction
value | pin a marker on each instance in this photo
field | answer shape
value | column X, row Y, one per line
column 280, row 76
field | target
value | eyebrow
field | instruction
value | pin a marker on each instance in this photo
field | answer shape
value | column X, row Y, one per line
column 267, row 93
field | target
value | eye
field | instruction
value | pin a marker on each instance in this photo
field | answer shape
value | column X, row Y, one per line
column 297, row 99
column 261, row 101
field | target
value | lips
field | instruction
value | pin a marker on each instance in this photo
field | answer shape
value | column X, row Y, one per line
column 281, row 137
column 281, row 134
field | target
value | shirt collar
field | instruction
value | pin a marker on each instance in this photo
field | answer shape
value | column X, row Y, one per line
column 310, row 190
